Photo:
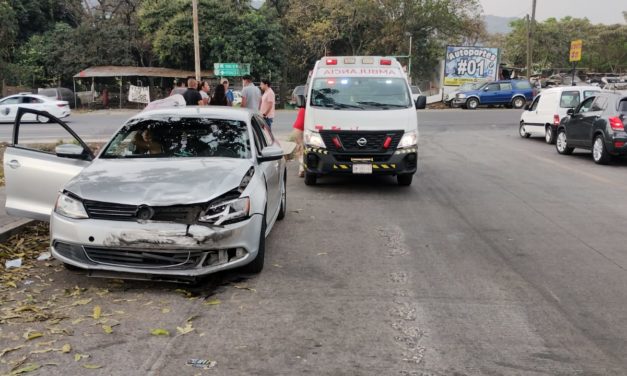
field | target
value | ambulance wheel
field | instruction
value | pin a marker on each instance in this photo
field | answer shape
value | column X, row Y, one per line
column 310, row 179
column 404, row 179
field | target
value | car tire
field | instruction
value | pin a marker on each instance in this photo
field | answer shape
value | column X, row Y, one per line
column 549, row 135
column 472, row 103
column 561, row 143
column 521, row 131
column 283, row 207
column 310, row 179
column 404, row 179
column 256, row 266
column 42, row 119
column 518, row 102
column 599, row 151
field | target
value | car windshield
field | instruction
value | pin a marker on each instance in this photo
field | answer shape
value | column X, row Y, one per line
column 372, row 93
column 180, row 138
column 468, row 86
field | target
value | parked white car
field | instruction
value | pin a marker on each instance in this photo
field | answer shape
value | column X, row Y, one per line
column 176, row 194
column 541, row 118
column 10, row 104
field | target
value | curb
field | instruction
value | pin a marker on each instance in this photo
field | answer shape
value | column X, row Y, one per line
column 11, row 229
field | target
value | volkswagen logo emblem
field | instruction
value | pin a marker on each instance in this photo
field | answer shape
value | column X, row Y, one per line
column 362, row 142
column 144, row 212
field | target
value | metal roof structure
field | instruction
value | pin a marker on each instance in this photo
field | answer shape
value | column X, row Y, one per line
column 117, row 71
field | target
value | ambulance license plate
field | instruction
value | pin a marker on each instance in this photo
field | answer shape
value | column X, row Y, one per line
column 362, row 168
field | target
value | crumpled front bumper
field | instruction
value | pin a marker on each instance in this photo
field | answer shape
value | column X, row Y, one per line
column 150, row 249
column 323, row 162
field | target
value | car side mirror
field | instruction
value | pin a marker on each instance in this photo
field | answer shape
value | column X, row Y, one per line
column 271, row 153
column 71, row 151
column 300, row 101
column 570, row 112
column 421, row 102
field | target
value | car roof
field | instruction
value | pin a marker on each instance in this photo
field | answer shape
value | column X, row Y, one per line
column 221, row 112
column 28, row 95
column 559, row 89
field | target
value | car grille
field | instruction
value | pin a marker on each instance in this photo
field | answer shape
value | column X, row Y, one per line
column 374, row 140
column 145, row 259
column 120, row 212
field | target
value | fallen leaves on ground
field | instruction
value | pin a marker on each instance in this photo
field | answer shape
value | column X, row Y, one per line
column 159, row 332
column 97, row 312
column 92, row 366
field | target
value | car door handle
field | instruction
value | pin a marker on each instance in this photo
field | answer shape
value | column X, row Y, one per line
column 14, row 164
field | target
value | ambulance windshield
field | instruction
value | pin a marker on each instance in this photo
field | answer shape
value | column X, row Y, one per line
column 361, row 93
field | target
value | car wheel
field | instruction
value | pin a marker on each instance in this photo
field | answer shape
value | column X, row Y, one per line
column 283, row 208
column 518, row 102
column 404, row 179
column 522, row 132
column 472, row 103
column 599, row 151
column 43, row 119
column 561, row 144
column 549, row 135
column 256, row 266
column 310, row 179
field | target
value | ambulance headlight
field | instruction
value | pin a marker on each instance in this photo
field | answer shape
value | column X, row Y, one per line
column 313, row 139
column 409, row 139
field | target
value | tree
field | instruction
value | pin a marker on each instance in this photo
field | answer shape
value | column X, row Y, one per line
column 231, row 31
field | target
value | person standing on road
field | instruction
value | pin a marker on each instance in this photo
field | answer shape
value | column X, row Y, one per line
column 203, row 89
column 179, row 88
column 191, row 95
column 251, row 95
column 219, row 96
column 267, row 102
column 299, row 128
column 229, row 92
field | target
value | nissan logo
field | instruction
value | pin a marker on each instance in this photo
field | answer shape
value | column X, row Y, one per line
column 362, row 142
column 144, row 212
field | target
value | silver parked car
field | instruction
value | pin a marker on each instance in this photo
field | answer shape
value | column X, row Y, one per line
column 177, row 193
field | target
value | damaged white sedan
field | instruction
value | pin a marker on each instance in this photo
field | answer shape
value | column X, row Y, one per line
column 176, row 194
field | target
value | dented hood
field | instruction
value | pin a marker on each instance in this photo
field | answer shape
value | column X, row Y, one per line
column 158, row 182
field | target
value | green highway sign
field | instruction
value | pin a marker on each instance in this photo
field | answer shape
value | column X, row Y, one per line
column 230, row 69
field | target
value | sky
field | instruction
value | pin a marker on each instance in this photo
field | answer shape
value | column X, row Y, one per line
column 597, row 11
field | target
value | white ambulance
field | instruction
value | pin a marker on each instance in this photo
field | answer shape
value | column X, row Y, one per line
column 360, row 119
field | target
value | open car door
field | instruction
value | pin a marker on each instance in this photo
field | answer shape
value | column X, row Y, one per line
column 34, row 174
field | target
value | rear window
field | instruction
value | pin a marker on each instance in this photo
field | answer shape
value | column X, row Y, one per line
column 506, row 86
column 622, row 106
column 589, row 93
column 48, row 92
column 570, row 99
column 522, row 85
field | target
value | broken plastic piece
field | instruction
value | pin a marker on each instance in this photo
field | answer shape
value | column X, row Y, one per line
column 202, row 363
column 44, row 256
column 16, row 263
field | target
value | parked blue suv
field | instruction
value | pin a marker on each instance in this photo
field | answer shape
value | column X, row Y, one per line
column 514, row 93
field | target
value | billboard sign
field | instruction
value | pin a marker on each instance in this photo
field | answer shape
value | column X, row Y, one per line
column 575, row 50
column 470, row 64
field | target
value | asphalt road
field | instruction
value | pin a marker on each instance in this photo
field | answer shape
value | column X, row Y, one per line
column 502, row 258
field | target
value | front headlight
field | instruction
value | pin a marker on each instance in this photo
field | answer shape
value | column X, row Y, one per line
column 409, row 139
column 313, row 139
column 461, row 96
column 226, row 211
column 70, row 207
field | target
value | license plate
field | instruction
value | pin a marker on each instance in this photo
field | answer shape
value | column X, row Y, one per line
column 362, row 168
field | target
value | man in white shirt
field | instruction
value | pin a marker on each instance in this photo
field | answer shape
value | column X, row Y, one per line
column 251, row 95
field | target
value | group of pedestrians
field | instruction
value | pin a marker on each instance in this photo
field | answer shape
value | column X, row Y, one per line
column 260, row 99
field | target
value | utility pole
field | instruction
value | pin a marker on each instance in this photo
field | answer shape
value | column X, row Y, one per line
column 196, row 39
column 409, row 64
column 530, row 27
